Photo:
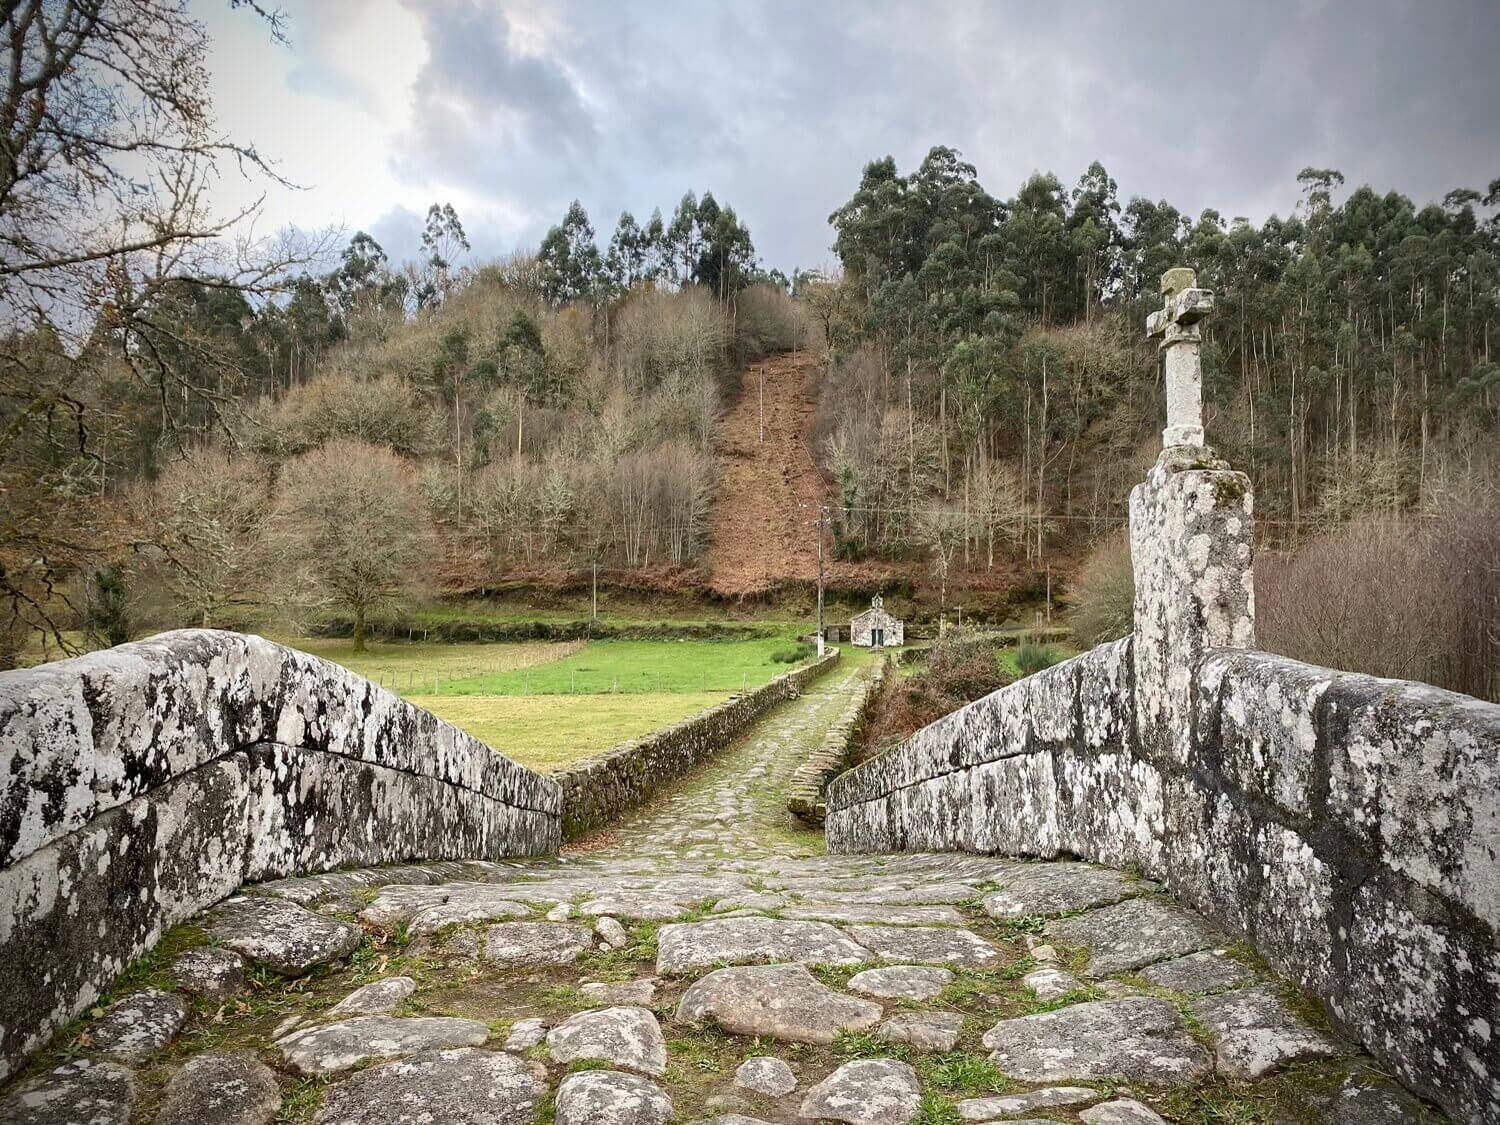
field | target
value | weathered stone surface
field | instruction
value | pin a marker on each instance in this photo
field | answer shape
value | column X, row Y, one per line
column 79, row 1092
column 461, row 1086
column 225, row 1089
column 1057, row 888
column 1254, row 1033
column 630, row 993
column 1122, row 1111
column 928, row 894
column 686, row 946
column 209, row 972
column 1140, row 1039
column 536, row 943
column 525, row 1034
column 603, row 1097
column 926, row 1031
column 731, row 1119
column 1362, row 1100
column 779, row 1001
column 869, row 912
column 1048, row 1097
column 1051, row 984
column 629, row 1038
column 139, row 1025
column 866, row 1092
column 1198, row 973
column 330, row 1048
column 901, row 982
column 767, row 1075
column 611, row 933
column 281, row 935
column 1133, row 934
column 377, row 999
column 635, row 909
column 177, row 768
column 431, row 919
column 927, row 946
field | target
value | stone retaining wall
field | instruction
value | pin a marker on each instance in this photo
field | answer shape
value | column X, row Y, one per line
column 598, row 792
column 142, row 784
column 1348, row 826
column 823, row 763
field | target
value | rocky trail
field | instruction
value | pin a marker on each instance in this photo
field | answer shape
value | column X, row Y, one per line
column 707, row 964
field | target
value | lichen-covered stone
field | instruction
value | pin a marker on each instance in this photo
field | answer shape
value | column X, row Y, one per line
column 779, row 1001
column 1051, row 984
column 1133, row 934
column 1122, row 1111
column 866, row 1092
column 629, row 993
column 379, row 998
column 629, row 1038
column 153, row 779
column 1143, row 1040
column 1009, row 1105
column 330, row 1048
column 461, row 1086
column 79, row 1092
column 139, row 1025
column 1198, row 973
column 210, row 973
column 926, row 1031
column 536, row 943
column 1057, row 888
column 686, row 946
column 925, row 945
column 222, row 1088
column 902, row 982
column 1254, row 1033
column 765, row 1075
column 603, row 1097
column 281, row 935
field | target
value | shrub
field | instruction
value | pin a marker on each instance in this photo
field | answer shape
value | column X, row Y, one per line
column 767, row 320
column 793, row 654
column 1103, row 594
column 1403, row 597
column 1032, row 657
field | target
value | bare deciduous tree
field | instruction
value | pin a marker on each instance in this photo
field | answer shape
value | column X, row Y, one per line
column 108, row 149
column 351, row 519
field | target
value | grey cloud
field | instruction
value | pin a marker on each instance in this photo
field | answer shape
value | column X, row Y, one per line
column 777, row 106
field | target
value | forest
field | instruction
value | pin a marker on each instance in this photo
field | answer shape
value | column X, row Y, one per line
column 196, row 429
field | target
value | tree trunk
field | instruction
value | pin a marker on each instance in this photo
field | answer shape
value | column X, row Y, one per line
column 359, row 629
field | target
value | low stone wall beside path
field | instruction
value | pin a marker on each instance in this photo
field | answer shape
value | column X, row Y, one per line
column 598, row 792
column 805, row 795
column 142, row 784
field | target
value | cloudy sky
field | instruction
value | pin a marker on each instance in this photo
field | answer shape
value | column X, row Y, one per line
column 509, row 109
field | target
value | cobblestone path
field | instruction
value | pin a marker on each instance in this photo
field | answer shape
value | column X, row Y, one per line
column 706, row 963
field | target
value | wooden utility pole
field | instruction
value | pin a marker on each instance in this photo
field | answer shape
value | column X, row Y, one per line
column 762, row 370
column 822, row 516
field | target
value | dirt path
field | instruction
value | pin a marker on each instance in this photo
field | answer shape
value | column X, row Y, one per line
column 767, row 503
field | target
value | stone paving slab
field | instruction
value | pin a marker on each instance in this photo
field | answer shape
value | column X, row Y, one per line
column 685, row 946
column 779, row 1001
column 1140, row 1039
column 1133, row 934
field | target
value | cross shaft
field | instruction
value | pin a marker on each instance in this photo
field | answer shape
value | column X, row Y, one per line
column 1176, row 325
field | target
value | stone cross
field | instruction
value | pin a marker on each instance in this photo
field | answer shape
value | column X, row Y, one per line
column 1176, row 326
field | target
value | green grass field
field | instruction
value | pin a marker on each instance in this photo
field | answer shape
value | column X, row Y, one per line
column 548, row 705
column 630, row 667
column 550, row 732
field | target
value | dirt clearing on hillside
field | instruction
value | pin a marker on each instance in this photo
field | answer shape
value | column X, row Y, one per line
column 767, row 507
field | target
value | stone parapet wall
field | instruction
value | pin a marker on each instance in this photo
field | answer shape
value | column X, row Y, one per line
column 1347, row 826
column 824, row 761
column 598, row 792
column 141, row 784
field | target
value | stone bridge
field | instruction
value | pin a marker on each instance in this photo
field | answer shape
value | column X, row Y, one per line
column 1292, row 889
